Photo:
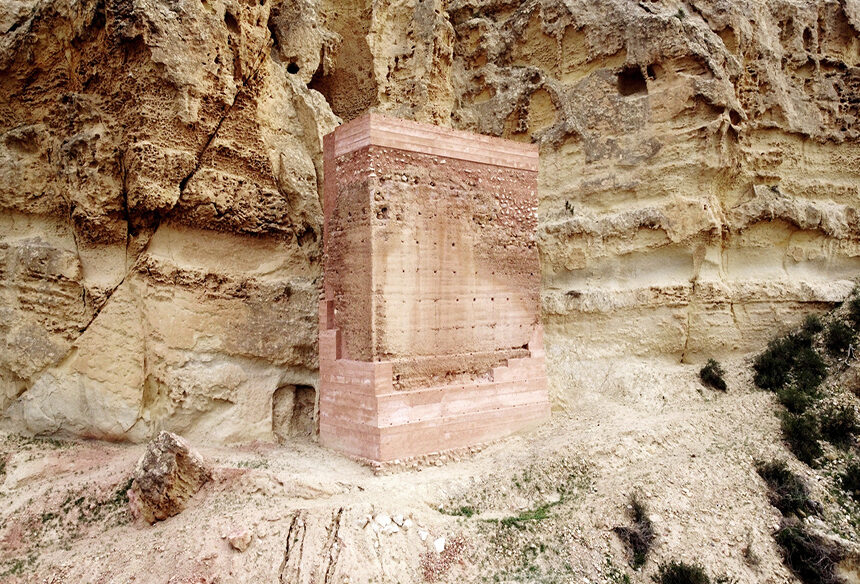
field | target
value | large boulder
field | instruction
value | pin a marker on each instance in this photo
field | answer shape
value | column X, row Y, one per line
column 166, row 477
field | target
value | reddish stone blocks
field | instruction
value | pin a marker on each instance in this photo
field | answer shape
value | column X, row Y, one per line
column 430, row 335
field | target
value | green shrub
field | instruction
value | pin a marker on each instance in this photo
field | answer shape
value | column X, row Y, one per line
column 839, row 424
column 812, row 325
column 850, row 480
column 795, row 399
column 681, row 573
column 787, row 491
column 640, row 536
column 774, row 367
column 809, row 369
column 854, row 313
column 812, row 558
column 802, row 434
column 712, row 375
column 838, row 338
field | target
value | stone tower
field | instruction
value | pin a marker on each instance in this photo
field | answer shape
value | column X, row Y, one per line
column 430, row 334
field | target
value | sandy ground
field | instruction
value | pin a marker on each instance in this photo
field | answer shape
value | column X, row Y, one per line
column 647, row 426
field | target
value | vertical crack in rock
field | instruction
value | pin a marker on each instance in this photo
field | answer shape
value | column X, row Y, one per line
column 333, row 546
column 690, row 308
column 312, row 549
column 183, row 183
column 293, row 552
column 245, row 81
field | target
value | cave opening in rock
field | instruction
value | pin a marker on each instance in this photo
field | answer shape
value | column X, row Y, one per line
column 231, row 22
column 631, row 81
column 294, row 412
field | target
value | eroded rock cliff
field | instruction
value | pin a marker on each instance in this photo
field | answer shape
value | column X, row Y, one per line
column 160, row 172
column 161, row 167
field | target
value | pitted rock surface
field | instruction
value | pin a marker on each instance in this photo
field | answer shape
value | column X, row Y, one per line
column 166, row 477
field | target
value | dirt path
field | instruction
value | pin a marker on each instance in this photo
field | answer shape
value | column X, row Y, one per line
column 534, row 508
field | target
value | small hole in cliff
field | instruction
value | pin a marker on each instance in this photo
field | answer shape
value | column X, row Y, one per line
column 231, row 22
column 631, row 81
column 292, row 68
column 735, row 117
column 293, row 411
column 306, row 235
column 807, row 39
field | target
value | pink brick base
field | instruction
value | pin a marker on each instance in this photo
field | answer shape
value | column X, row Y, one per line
column 430, row 336
column 361, row 413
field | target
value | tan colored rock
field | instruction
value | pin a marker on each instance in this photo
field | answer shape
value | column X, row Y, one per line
column 166, row 477
column 698, row 183
column 239, row 539
column 160, row 215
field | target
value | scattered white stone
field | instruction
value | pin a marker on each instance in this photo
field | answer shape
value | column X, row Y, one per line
column 398, row 519
column 423, row 533
column 383, row 519
column 407, row 524
column 240, row 539
column 390, row 528
column 439, row 544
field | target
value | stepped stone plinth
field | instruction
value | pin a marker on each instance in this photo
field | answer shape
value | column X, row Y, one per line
column 430, row 334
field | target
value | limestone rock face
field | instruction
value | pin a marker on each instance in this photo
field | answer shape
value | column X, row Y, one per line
column 166, row 477
column 161, row 171
column 699, row 173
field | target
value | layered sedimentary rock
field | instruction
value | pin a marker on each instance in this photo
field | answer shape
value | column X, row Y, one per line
column 699, row 161
column 430, row 332
column 161, row 168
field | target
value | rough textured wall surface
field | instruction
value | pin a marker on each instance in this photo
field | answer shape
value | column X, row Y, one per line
column 700, row 164
column 161, row 167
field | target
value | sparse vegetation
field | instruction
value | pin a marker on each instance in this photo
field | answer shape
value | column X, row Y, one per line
column 839, row 424
column 463, row 511
column 812, row 558
column 676, row 572
column 712, row 375
column 809, row 370
column 680, row 15
column 253, row 464
column 793, row 368
column 538, row 513
column 838, row 338
column 788, row 492
column 801, row 432
column 640, row 536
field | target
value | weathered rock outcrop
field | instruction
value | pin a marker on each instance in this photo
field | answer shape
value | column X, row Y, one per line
column 160, row 171
column 167, row 476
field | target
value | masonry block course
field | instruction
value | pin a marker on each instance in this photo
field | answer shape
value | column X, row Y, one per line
column 430, row 335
